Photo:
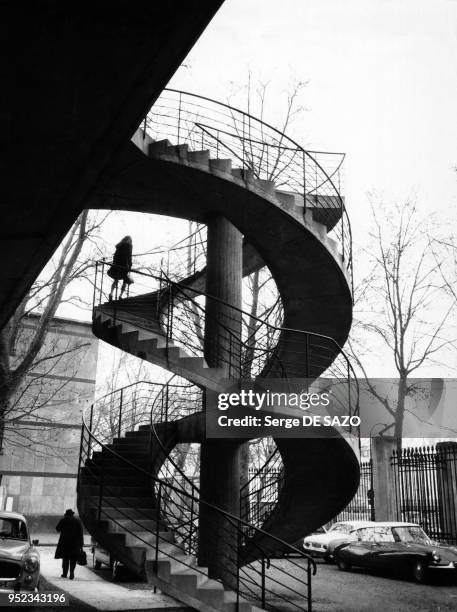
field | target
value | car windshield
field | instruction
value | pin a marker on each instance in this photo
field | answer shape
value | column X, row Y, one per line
column 13, row 529
column 411, row 534
column 341, row 527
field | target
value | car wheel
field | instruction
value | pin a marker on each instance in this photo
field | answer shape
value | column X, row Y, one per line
column 419, row 571
column 343, row 565
column 327, row 559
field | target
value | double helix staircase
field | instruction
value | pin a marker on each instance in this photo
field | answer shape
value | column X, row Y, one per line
column 301, row 233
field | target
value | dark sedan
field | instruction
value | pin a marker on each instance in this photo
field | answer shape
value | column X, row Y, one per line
column 397, row 547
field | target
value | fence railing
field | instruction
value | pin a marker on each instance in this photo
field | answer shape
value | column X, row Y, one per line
column 361, row 507
column 260, row 149
column 426, row 489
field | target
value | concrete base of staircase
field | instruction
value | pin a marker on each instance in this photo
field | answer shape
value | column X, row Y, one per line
column 100, row 594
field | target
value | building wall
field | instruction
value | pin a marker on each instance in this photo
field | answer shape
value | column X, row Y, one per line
column 41, row 450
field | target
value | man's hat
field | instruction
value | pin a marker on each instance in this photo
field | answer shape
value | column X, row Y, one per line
column 69, row 512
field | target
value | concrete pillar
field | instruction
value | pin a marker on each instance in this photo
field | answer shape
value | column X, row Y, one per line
column 384, row 485
column 220, row 459
column 446, row 476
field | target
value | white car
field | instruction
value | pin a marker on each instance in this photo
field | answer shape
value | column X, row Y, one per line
column 19, row 559
column 322, row 545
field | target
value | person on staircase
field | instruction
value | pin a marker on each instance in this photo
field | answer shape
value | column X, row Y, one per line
column 71, row 542
column 122, row 264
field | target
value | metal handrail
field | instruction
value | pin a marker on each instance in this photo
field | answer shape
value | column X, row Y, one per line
column 182, row 113
column 183, row 289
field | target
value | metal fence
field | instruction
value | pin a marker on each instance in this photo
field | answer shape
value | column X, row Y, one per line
column 426, row 489
column 361, row 507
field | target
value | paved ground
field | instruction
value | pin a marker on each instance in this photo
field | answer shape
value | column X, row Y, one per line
column 92, row 590
column 333, row 591
column 360, row 591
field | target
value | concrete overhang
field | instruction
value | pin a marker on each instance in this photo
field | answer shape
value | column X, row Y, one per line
column 81, row 76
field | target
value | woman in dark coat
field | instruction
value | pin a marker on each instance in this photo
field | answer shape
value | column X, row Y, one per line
column 70, row 543
column 122, row 264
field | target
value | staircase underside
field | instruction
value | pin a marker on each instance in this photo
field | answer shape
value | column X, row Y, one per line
column 83, row 78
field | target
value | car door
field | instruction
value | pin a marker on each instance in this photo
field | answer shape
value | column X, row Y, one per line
column 384, row 552
column 359, row 552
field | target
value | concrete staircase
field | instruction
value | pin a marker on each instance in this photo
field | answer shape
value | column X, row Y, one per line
column 144, row 338
column 126, row 525
column 320, row 475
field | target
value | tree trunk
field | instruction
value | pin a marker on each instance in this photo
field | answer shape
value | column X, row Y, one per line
column 400, row 411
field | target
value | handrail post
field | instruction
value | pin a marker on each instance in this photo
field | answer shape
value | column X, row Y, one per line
column 237, row 606
column 90, row 431
column 158, row 501
column 100, row 494
column 80, row 457
column 121, row 401
column 263, row 582
column 304, row 183
column 102, row 278
column 179, row 116
column 342, row 224
column 94, row 297
column 310, row 600
column 191, row 518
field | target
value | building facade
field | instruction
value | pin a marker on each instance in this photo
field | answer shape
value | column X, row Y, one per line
column 41, row 449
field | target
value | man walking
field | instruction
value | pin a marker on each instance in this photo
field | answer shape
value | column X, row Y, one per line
column 70, row 542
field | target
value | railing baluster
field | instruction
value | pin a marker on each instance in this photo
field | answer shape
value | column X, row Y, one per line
column 121, row 402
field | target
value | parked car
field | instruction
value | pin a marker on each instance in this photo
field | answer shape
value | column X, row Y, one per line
column 19, row 559
column 317, row 544
column 398, row 547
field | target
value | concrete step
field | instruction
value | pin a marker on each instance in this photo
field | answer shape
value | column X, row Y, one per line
column 152, row 341
column 128, row 513
column 285, row 198
column 243, row 174
column 118, row 490
column 221, row 165
column 193, row 363
column 138, row 524
column 267, row 186
column 133, row 439
column 118, row 461
column 133, row 435
column 179, row 151
column 199, row 157
column 158, row 148
column 178, row 563
column 140, row 538
column 114, row 479
column 122, row 501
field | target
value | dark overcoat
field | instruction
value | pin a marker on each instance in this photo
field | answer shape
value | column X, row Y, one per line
column 71, row 538
column 122, row 261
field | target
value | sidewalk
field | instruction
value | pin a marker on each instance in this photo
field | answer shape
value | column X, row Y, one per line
column 96, row 592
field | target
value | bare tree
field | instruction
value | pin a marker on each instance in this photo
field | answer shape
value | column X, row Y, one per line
column 403, row 312
column 26, row 357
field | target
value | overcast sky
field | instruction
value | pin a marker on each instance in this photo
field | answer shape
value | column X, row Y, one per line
column 382, row 85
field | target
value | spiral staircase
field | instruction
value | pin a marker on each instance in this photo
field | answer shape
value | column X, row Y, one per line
column 287, row 204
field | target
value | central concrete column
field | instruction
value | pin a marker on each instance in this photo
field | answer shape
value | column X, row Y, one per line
column 220, row 459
